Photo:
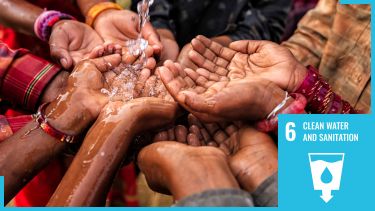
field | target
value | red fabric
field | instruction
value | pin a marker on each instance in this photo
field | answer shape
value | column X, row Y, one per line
column 23, row 76
column 40, row 189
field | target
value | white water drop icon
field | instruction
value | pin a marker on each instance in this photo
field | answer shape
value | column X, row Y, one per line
column 326, row 171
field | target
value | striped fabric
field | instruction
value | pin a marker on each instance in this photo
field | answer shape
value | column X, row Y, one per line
column 23, row 77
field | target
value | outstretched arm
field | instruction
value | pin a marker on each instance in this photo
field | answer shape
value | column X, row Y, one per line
column 10, row 15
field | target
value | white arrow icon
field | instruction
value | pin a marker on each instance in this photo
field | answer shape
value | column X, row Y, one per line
column 326, row 195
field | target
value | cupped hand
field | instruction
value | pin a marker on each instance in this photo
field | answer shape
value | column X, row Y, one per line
column 71, row 42
column 83, row 100
column 214, row 97
column 264, row 59
column 252, row 154
column 118, row 26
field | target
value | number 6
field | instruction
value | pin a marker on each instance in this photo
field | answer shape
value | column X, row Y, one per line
column 290, row 134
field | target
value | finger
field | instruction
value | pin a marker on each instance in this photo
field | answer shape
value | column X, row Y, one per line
column 171, row 135
column 162, row 136
column 247, row 46
column 107, row 62
column 149, row 33
column 181, row 133
column 193, row 140
column 219, row 50
column 212, row 144
column 202, row 55
column 140, row 84
column 194, row 121
column 58, row 49
column 194, row 129
column 197, row 78
column 174, row 84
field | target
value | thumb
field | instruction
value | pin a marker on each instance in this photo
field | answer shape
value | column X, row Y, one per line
column 152, row 37
column 62, row 56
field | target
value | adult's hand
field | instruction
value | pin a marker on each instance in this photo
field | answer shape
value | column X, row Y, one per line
column 72, row 41
column 264, row 59
column 221, row 97
column 252, row 154
column 118, row 26
column 82, row 101
column 170, row 47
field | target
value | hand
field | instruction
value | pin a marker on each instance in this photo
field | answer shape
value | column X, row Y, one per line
column 82, row 102
column 72, row 41
column 118, row 26
column 184, row 59
column 213, row 97
column 170, row 46
column 263, row 59
column 55, row 87
column 253, row 154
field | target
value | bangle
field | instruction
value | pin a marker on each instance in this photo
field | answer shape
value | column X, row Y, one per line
column 45, row 21
column 296, row 107
column 50, row 130
column 278, row 107
column 95, row 10
column 320, row 96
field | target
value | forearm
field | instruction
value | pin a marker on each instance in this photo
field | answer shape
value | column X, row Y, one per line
column 10, row 15
column 23, row 156
column 89, row 177
column 310, row 38
column 85, row 5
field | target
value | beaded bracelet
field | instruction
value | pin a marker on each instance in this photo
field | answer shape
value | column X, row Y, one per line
column 50, row 130
column 95, row 10
column 320, row 97
column 44, row 23
column 296, row 107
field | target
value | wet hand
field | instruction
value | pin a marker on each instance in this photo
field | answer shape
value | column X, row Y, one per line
column 118, row 26
column 80, row 105
column 72, row 41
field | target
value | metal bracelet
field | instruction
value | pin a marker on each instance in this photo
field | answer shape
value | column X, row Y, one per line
column 278, row 107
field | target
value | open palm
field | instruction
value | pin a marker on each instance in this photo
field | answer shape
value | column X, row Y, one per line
column 264, row 59
column 213, row 97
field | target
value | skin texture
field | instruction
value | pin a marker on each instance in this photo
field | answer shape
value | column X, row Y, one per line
column 214, row 97
column 112, row 30
column 170, row 46
column 23, row 156
column 107, row 142
column 182, row 170
column 264, row 59
column 72, row 41
column 252, row 155
column 55, row 87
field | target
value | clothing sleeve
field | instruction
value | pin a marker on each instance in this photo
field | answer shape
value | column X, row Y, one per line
column 309, row 40
column 261, row 20
column 218, row 198
column 160, row 15
column 23, row 76
column 266, row 195
column 9, row 126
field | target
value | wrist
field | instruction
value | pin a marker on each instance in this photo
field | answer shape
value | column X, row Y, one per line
column 70, row 119
column 45, row 22
column 301, row 73
column 271, row 100
column 100, row 10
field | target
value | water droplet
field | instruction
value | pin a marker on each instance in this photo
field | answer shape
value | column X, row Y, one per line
column 326, row 176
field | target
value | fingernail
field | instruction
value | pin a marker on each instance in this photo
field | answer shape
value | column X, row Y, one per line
column 63, row 62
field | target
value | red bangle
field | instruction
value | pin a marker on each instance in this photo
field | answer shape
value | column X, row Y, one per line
column 320, row 97
column 50, row 130
column 296, row 107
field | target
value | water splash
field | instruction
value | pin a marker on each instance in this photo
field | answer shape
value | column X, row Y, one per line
column 326, row 176
column 122, row 86
column 143, row 8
